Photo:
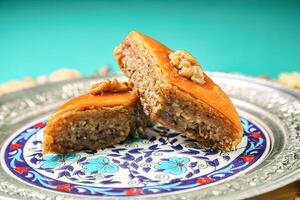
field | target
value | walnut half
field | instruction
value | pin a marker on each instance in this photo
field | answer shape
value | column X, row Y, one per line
column 110, row 86
column 187, row 66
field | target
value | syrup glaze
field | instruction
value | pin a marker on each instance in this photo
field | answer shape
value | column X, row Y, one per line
column 88, row 102
column 209, row 92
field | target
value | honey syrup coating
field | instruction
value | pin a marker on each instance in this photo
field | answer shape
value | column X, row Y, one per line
column 103, row 94
column 207, row 92
column 105, row 116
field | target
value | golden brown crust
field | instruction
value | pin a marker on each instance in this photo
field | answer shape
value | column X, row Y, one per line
column 89, row 129
column 82, row 122
column 88, row 102
column 208, row 92
column 207, row 97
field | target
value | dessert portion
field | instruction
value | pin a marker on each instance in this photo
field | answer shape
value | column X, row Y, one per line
column 104, row 117
column 175, row 92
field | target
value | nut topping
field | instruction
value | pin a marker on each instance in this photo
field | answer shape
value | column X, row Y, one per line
column 110, row 86
column 187, row 66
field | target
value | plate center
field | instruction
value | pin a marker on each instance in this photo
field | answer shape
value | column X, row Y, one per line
column 166, row 161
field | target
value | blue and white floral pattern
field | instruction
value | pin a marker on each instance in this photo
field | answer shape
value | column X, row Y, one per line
column 100, row 165
column 165, row 162
column 54, row 160
column 173, row 165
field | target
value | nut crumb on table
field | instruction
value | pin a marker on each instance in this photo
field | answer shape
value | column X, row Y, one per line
column 14, row 85
column 64, row 74
column 290, row 79
column 58, row 75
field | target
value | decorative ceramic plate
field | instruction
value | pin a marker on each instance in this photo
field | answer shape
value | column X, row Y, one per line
column 165, row 164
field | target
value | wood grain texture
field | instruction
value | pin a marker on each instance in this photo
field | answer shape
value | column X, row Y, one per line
column 289, row 192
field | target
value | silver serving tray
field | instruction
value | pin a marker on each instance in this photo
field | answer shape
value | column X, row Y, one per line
column 272, row 106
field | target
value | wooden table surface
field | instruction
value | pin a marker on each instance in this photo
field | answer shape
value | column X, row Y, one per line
column 289, row 192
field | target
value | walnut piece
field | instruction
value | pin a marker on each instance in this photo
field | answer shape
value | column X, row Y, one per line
column 64, row 74
column 187, row 66
column 118, row 52
column 110, row 86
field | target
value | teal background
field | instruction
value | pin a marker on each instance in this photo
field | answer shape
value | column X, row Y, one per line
column 251, row 37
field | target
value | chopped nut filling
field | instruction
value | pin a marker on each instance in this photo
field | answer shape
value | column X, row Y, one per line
column 110, row 86
column 187, row 66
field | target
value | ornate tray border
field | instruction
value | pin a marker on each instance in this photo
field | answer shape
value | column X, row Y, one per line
column 275, row 106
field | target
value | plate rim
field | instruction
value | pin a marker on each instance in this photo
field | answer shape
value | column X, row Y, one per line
column 291, row 177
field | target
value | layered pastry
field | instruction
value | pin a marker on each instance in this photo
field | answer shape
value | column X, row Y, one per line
column 106, row 116
column 175, row 92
